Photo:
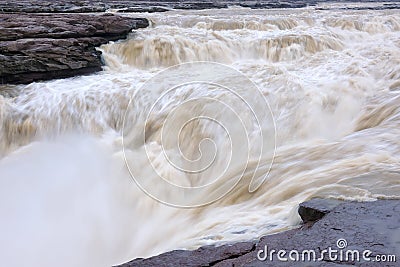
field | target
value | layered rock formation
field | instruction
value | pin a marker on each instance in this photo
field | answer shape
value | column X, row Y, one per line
column 83, row 6
column 46, row 46
column 43, row 39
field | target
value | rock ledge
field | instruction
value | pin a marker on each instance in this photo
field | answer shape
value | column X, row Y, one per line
column 373, row 226
column 37, row 47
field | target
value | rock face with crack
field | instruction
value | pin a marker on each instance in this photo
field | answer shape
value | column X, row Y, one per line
column 373, row 226
column 46, row 46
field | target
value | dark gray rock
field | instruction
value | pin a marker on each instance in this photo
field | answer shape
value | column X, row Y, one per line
column 277, row 4
column 204, row 256
column 57, row 26
column 316, row 208
column 86, row 6
column 373, row 226
column 47, row 46
column 198, row 5
column 48, row 6
column 142, row 9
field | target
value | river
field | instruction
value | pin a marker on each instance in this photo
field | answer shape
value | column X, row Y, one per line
column 82, row 158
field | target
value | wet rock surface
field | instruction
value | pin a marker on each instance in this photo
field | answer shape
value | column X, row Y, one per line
column 46, row 46
column 344, row 226
column 81, row 6
column 316, row 208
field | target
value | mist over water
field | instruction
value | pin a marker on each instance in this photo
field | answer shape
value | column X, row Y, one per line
column 331, row 78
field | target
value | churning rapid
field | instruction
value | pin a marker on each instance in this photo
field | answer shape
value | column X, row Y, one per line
column 332, row 82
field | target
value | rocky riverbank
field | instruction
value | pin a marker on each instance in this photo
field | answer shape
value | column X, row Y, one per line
column 48, row 46
column 342, row 226
column 86, row 6
column 43, row 40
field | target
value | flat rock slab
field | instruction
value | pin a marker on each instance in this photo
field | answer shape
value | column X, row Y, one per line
column 346, row 226
column 47, row 46
column 19, row 26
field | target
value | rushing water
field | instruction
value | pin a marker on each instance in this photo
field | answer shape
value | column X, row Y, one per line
column 331, row 78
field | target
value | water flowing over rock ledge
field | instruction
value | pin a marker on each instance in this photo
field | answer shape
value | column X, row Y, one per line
column 48, row 46
column 371, row 226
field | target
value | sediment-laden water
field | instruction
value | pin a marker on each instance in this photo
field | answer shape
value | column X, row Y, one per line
column 332, row 81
